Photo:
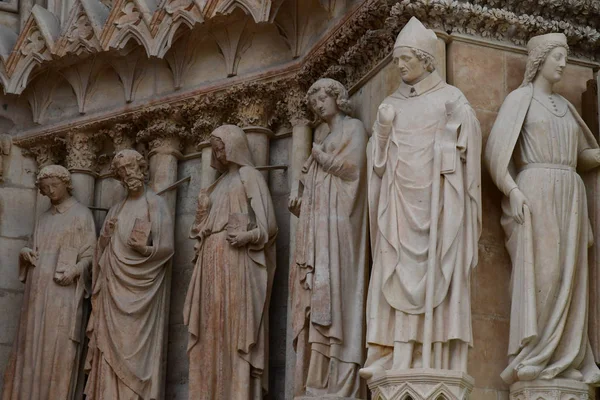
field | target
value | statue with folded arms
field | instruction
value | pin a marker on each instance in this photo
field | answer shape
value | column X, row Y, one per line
column 329, row 269
column 536, row 146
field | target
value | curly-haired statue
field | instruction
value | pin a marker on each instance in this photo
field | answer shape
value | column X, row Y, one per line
column 536, row 146
column 329, row 267
column 425, row 216
column 56, row 271
column 127, row 328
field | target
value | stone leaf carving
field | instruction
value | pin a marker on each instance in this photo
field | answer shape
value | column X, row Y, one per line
column 122, row 135
column 33, row 47
column 82, row 151
column 79, row 37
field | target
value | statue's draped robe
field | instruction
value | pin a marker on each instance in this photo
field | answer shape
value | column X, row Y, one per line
column 332, row 245
column 45, row 360
column 400, row 185
column 536, row 149
column 128, row 325
column 227, row 304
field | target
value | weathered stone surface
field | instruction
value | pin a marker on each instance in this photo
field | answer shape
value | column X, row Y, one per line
column 10, row 308
column 16, row 218
column 9, row 263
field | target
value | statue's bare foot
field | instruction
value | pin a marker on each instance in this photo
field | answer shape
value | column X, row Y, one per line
column 572, row 374
column 368, row 372
column 528, row 373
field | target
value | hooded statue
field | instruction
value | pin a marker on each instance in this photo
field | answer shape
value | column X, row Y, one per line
column 536, row 144
column 226, row 308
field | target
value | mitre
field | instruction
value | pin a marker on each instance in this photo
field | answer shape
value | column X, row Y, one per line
column 558, row 38
column 416, row 36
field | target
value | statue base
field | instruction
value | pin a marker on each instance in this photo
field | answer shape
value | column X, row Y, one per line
column 323, row 397
column 421, row 384
column 554, row 389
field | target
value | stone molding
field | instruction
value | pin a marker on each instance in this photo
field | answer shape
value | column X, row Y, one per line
column 555, row 389
column 359, row 45
column 92, row 28
column 421, row 384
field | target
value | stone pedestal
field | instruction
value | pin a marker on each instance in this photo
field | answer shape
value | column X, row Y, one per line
column 555, row 389
column 325, row 397
column 421, row 384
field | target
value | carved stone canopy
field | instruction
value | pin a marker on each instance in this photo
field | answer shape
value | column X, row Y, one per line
column 354, row 49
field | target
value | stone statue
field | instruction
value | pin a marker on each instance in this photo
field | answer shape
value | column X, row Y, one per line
column 227, row 304
column 56, row 271
column 536, row 144
column 128, row 325
column 328, row 277
column 425, row 215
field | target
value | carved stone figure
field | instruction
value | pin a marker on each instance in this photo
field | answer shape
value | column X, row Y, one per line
column 56, row 272
column 328, row 277
column 537, row 143
column 425, row 215
column 226, row 308
column 127, row 328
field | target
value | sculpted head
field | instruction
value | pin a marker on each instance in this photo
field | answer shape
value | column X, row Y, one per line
column 131, row 168
column 547, row 58
column 328, row 97
column 230, row 148
column 414, row 51
column 54, row 181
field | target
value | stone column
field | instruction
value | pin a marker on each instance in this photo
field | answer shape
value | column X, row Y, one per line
column 299, row 153
column 82, row 149
column 163, row 137
column 258, row 140
column 207, row 173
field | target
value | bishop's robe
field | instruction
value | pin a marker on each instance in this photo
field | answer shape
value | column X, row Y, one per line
column 400, row 189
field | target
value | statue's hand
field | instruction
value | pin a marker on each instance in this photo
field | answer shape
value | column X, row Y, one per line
column 385, row 114
column 68, row 277
column 517, row 203
column 109, row 227
column 28, row 255
column 239, row 239
column 137, row 246
column 294, row 205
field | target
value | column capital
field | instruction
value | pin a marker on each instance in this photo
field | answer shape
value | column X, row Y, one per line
column 164, row 136
column 82, row 151
column 122, row 135
column 45, row 153
column 297, row 107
